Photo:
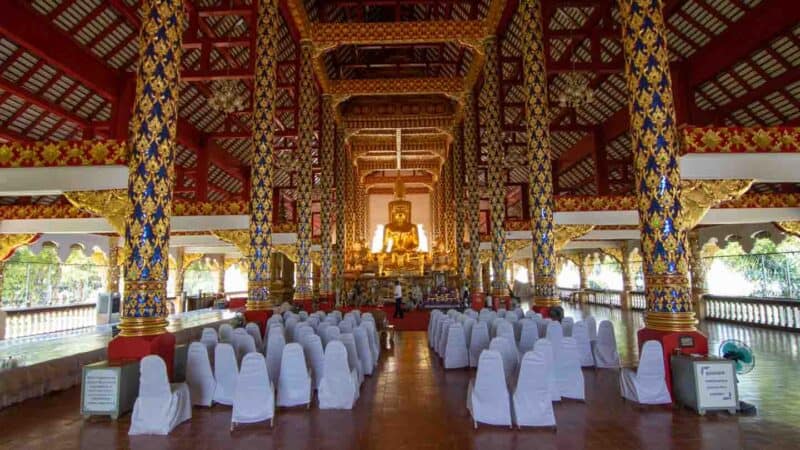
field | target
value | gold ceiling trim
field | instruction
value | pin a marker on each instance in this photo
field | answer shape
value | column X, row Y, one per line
column 441, row 122
column 397, row 86
column 330, row 34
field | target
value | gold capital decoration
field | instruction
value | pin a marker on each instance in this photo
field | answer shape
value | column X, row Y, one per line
column 112, row 205
column 10, row 242
column 789, row 227
column 566, row 233
column 699, row 196
column 239, row 238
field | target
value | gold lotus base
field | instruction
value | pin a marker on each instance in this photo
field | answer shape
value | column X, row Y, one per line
column 258, row 305
column 671, row 322
column 546, row 302
column 142, row 326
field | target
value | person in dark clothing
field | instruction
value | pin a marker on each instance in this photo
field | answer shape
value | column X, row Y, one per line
column 398, row 300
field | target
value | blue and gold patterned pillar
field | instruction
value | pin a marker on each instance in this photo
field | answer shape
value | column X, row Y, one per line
column 496, row 173
column 460, row 205
column 259, row 275
column 540, row 175
column 473, row 198
column 341, row 243
column 151, row 171
column 308, row 98
column 326, row 195
column 654, row 139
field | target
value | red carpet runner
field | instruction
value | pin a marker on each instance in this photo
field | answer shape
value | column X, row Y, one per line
column 412, row 320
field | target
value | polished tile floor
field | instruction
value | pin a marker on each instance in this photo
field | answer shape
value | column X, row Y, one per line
column 412, row 403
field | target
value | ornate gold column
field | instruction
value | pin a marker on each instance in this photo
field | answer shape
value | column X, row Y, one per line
column 699, row 269
column 540, row 174
column 341, row 242
column 221, row 274
column 361, row 212
column 496, row 177
column 436, row 202
column 112, row 283
column 627, row 278
column 584, row 269
column 448, row 204
column 259, row 274
column 308, row 100
column 460, row 205
column 472, row 197
column 179, row 253
column 151, row 171
column 654, row 140
column 326, row 194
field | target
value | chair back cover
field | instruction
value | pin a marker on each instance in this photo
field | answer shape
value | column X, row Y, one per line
column 225, row 333
column 542, row 325
column 528, row 336
column 555, row 334
column 243, row 344
column 331, row 333
column 225, row 372
column 209, row 339
column 353, row 362
column 648, row 385
column 254, row 400
column 506, row 330
column 501, row 312
column 532, row 404
column 545, row 347
column 199, row 376
column 289, row 324
column 160, row 406
column 591, row 327
column 315, row 357
column 363, row 349
column 253, row 330
column 374, row 340
column 346, row 326
column 605, row 348
column 568, row 371
column 566, row 325
column 495, row 323
column 478, row 342
column 509, row 353
column 300, row 333
column 441, row 336
column 336, row 390
column 487, row 396
column 432, row 323
column 275, row 348
column 456, row 354
column 468, row 323
column 581, row 336
column 294, row 384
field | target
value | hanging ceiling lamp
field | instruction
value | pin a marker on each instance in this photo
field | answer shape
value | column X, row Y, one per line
column 576, row 91
column 226, row 96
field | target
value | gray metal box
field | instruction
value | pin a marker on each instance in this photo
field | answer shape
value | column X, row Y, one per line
column 109, row 390
column 704, row 384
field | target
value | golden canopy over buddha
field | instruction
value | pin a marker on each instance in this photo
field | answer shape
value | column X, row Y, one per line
column 400, row 235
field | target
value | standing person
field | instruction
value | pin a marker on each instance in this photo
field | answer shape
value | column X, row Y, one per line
column 398, row 299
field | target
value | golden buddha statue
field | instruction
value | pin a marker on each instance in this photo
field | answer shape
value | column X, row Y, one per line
column 400, row 237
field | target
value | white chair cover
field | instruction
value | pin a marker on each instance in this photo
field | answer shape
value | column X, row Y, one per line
column 225, row 333
column 253, row 329
column 510, row 356
column 336, row 389
column 456, row 355
column 648, row 384
column 495, row 323
column 518, row 311
column 374, row 340
column 468, row 323
column 331, row 333
column 199, row 376
column 301, row 331
column 581, row 336
column 501, row 312
column 315, row 357
column 275, row 355
column 506, row 330
column 566, row 325
column 160, row 406
column 364, row 350
column 321, row 329
column 294, row 385
column 210, row 339
column 478, row 342
column 225, row 373
column 346, row 326
column 435, row 318
column 605, row 349
column 528, row 336
column 243, row 344
column 532, row 404
column 255, row 396
column 568, row 371
column 290, row 324
column 591, row 327
column 555, row 334
column 441, row 338
column 541, row 324
column 545, row 347
column 487, row 394
column 353, row 362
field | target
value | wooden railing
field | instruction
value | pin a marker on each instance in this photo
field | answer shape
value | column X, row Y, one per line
column 47, row 319
column 767, row 312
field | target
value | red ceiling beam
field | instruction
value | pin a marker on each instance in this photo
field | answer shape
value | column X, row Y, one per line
column 18, row 91
column 27, row 29
column 751, row 33
column 615, row 126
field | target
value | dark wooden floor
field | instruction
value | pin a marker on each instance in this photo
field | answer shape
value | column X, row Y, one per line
column 412, row 403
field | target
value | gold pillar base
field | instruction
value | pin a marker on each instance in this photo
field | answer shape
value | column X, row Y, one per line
column 258, row 305
column 142, row 326
column 546, row 302
column 670, row 322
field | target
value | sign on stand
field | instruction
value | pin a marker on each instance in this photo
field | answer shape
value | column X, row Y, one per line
column 109, row 390
column 716, row 386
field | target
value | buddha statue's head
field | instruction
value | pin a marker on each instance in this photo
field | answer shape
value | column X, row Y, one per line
column 400, row 212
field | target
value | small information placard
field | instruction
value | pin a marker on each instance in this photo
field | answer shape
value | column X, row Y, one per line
column 100, row 391
column 716, row 385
